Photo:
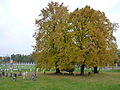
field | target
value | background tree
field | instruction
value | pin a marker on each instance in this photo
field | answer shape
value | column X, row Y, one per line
column 118, row 53
column 117, row 61
column 22, row 58
column 0, row 60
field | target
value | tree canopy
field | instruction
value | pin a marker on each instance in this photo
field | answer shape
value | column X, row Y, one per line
column 82, row 38
column 17, row 58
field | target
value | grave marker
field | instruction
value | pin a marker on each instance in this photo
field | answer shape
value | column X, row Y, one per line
column 15, row 77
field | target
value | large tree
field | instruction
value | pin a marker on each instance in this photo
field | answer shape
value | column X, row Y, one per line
column 93, row 35
column 53, row 43
column 82, row 38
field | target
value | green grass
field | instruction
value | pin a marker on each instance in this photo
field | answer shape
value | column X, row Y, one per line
column 101, row 81
column 113, row 70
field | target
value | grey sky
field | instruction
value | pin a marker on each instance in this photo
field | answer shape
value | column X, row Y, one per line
column 17, row 19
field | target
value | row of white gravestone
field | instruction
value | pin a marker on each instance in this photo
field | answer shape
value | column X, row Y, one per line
column 14, row 75
column 25, row 63
column 18, row 69
column 25, row 75
column 6, row 74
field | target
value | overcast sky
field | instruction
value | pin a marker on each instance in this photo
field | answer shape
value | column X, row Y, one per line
column 17, row 19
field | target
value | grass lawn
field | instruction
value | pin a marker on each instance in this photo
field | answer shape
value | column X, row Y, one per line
column 101, row 81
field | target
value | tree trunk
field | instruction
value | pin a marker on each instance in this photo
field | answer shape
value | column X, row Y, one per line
column 82, row 70
column 57, row 70
column 95, row 69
